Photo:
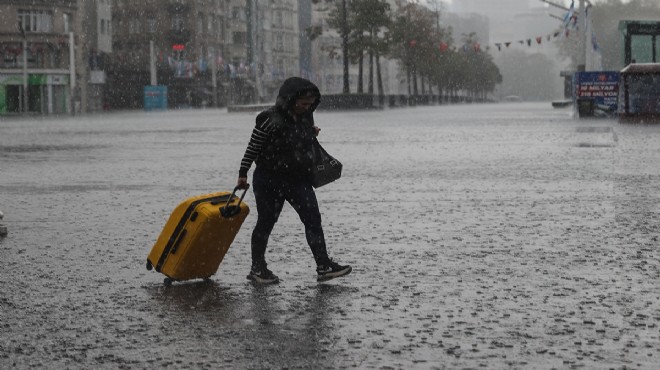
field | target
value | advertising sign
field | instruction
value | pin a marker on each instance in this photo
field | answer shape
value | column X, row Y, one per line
column 598, row 91
column 155, row 97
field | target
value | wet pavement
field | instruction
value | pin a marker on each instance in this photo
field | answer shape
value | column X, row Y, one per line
column 481, row 236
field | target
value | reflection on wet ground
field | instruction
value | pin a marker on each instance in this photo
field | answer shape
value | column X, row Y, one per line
column 33, row 148
column 492, row 236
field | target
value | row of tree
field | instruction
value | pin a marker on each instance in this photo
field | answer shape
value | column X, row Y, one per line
column 413, row 35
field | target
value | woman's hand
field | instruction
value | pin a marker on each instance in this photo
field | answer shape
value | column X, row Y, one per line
column 316, row 130
column 242, row 183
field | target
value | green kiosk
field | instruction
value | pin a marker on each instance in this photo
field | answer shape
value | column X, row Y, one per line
column 639, row 88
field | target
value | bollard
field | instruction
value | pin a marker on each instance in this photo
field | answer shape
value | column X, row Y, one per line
column 3, row 228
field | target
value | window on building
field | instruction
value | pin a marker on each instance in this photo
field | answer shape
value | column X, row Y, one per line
column 239, row 38
column 134, row 26
column 278, row 18
column 116, row 24
column 102, row 29
column 200, row 23
column 210, row 24
column 66, row 18
column 151, row 24
column 279, row 42
column 220, row 30
column 35, row 20
column 238, row 13
column 177, row 23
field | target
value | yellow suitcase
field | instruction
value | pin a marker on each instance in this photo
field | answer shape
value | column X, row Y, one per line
column 197, row 236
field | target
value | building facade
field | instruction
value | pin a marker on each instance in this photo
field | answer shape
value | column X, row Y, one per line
column 274, row 44
column 94, row 47
column 92, row 55
column 195, row 42
column 35, row 63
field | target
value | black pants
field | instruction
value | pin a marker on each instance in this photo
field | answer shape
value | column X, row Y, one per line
column 270, row 192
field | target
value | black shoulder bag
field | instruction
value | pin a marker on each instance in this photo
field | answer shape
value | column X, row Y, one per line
column 326, row 168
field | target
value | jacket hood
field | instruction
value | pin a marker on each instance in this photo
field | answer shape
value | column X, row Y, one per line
column 294, row 88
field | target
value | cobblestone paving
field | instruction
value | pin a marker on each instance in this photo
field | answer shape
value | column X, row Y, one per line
column 481, row 236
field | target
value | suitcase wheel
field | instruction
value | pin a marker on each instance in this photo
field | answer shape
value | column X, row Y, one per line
column 168, row 281
column 149, row 265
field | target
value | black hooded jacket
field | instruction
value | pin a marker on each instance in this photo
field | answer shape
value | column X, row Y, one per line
column 280, row 144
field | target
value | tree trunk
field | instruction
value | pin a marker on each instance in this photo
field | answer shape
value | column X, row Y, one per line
column 370, row 87
column 381, row 95
column 423, row 86
column 360, row 87
column 439, row 93
column 414, row 78
column 371, row 66
column 408, row 78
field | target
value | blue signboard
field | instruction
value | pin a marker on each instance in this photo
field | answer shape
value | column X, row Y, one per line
column 155, row 98
column 599, row 89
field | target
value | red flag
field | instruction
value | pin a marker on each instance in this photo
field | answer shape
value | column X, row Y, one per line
column 443, row 47
column 477, row 47
column 413, row 43
column 538, row 40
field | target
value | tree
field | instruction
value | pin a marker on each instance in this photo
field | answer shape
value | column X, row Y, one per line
column 365, row 21
column 413, row 37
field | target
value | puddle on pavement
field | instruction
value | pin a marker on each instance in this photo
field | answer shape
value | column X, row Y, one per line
column 594, row 130
column 36, row 148
column 593, row 145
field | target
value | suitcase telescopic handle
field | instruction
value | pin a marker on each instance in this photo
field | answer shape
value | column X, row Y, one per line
column 229, row 211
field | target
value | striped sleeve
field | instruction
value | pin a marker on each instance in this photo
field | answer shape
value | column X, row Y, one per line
column 260, row 135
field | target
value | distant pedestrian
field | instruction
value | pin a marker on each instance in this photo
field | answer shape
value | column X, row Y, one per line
column 281, row 145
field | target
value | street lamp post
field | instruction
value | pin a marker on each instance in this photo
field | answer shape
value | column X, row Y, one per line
column 582, row 36
column 152, row 64
column 25, row 72
column 256, row 53
column 344, row 44
column 72, row 73
column 214, row 76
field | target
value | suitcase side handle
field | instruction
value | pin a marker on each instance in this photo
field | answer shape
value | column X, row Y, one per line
column 230, row 211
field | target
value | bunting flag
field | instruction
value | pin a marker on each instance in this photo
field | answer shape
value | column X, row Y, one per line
column 477, row 47
column 538, row 39
column 443, row 47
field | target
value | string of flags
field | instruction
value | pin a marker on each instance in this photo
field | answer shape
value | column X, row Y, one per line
column 570, row 25
column 530, row 41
